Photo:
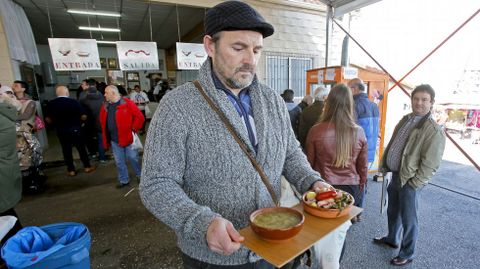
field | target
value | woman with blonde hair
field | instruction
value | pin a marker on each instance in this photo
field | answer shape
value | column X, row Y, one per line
column 336, row 147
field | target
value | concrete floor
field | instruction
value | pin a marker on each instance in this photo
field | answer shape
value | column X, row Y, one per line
column 125, row 235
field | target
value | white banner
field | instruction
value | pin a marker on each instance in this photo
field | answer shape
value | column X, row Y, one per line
column 134, row 55
column 69, row 54
column 190, row 56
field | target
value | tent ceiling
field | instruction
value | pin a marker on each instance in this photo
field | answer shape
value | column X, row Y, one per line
column 342, row 7
column 135, row 23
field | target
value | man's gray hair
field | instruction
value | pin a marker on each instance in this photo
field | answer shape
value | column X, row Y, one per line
column 114, row 89
column 320, row 93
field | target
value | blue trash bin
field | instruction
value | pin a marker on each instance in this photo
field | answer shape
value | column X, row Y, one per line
column 56, row 246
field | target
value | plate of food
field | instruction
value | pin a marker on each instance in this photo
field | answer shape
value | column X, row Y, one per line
column 327, row 203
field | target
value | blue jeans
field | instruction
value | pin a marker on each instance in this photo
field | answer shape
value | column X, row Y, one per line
column 364, row 193
column 402, row 216
column 121, row 154
column 101, row 150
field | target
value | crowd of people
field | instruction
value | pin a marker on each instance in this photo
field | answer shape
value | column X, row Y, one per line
column 92, row 123
column 200, row 181
column 97, row 122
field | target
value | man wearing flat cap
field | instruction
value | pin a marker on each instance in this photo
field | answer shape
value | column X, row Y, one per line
column 196, row 178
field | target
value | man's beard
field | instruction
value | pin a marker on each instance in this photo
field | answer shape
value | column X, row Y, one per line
column 235, row 83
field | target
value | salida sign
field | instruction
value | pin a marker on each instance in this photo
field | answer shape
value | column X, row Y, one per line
column 70, row 54
column 139, row 66
column 134, row 55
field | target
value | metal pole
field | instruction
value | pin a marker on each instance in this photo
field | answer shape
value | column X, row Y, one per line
column 150, row 19
column 328, row 29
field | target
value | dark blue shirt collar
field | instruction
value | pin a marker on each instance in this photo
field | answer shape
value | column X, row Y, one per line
column 243, row 105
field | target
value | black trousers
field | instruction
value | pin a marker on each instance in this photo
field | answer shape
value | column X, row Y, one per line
column 89, row 134
column 145, row 121
column 69, row 138
column 191, row 263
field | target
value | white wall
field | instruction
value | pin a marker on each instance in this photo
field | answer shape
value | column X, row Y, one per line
column 298, row 31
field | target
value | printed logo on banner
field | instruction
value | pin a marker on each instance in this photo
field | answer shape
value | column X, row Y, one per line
column 190, row 56
column 134, row 55
column 70, row 54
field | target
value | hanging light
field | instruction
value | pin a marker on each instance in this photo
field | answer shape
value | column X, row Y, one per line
column 100, row 29
column 106, row 42
column 94, row 12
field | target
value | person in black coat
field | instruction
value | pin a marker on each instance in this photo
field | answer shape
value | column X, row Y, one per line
column 92, row 103
column 67, row 116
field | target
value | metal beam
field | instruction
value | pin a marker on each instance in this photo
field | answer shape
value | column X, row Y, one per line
column 328, row 32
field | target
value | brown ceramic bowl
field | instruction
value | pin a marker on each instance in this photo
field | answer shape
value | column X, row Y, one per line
column 274, row 226
column 325, row 212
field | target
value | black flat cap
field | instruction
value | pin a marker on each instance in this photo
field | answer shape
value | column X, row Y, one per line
column 235, row 15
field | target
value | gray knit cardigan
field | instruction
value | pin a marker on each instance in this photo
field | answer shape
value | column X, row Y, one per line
column 193, row 170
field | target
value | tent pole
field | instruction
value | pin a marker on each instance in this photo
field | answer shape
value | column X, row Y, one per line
column 328, row 32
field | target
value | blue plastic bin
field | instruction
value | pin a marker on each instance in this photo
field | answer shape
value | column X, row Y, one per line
column 74, row 254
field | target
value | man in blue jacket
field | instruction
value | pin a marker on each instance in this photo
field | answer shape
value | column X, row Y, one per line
column 367, row 115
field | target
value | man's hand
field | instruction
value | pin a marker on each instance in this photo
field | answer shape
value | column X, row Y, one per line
column 222, row 237
column 322, row 184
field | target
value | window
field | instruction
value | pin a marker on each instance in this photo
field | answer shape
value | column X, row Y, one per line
column 285, row 72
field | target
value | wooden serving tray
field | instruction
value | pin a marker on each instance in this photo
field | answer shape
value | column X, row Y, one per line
column 280, row 253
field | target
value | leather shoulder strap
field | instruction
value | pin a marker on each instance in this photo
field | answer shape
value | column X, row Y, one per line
column 240, row 142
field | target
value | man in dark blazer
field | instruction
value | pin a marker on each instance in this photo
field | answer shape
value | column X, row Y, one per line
column 67, row 116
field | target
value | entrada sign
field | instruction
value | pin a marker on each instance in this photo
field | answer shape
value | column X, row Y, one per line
column 71, row 54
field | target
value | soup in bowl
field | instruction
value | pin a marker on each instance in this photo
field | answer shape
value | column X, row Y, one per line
column 276, row 223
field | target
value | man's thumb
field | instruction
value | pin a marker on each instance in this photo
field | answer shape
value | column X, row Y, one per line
column 233, row 233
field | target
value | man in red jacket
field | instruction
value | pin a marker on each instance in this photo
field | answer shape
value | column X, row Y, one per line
column 120, row 118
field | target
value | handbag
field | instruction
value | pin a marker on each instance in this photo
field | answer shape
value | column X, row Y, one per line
column 137, row 144
column 240, row 142
column 39, row 124
column 147, row 111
